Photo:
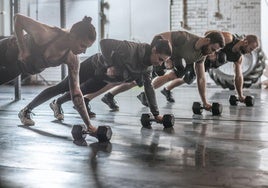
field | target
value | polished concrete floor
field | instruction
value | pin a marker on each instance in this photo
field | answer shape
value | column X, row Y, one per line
column 200, row 152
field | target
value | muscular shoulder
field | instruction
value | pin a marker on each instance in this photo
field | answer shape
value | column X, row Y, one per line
column 227, row 36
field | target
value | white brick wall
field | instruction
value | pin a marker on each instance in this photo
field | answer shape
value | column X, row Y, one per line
column 238, row 16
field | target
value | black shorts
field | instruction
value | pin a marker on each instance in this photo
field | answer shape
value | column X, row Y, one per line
column 184, row 71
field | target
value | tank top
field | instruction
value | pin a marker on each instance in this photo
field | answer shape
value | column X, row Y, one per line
column 228, row 50
column 183, row 44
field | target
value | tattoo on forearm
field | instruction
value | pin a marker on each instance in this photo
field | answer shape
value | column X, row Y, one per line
column 80, row 107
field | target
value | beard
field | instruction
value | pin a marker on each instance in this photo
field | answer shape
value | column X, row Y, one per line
column 242, row 50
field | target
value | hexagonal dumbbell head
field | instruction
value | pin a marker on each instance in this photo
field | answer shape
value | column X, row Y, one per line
column 168, row 120
column 104, row 133
column 249, row 101
column 78, row 136
column 77, row 132
column 145, row 121
column 233, row 100
column 197, row 108
column 216, row 109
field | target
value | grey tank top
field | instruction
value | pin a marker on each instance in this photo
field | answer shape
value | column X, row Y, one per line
column 183, row 44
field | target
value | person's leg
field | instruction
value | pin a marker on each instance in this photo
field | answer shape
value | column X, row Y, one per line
column 91, row 96
column 88, row 97
column 167, row 89
column 25, row 113
column 175, row 83
column 175, row 78
column 108, row 98
column 188, row 78
column 157, row 82
column 161, row 80
column 90, row 86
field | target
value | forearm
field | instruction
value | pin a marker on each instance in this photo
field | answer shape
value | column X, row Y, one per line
column 149, row 91
column 79, row 104
column 239, row 81
column 238, row 78
column 201, row 84
column 91, row 96
column 76, row 93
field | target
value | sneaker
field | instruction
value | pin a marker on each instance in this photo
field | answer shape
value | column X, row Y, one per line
column 143, row 99
column 58, row 112
column 168, row 95
column 25, row 117
column 109, row 100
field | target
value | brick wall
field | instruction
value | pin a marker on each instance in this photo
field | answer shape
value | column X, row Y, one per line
column 236, row 16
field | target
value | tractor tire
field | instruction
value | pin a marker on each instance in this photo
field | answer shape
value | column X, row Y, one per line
column 253, row 65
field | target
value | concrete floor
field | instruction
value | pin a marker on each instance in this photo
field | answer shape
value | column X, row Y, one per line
column 227, row 151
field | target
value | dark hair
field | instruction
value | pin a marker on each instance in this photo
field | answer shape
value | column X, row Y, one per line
column 216, row 37
column 84, row 29
column 162, row 46
column 252, row 39
column 155, row 39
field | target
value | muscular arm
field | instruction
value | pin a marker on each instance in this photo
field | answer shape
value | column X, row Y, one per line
column 201, row 82
column 77, row 96
column 239, row 79
column 39, row 32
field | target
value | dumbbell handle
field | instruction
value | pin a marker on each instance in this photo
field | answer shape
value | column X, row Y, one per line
column 237, row 99
column 152, row 119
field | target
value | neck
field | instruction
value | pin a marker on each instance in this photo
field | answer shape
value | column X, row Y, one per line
column 64, row 42
column 199, row 43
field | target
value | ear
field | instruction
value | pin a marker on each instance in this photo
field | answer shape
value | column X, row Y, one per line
column 245, row 42
column 154, row 50
column 207, row 41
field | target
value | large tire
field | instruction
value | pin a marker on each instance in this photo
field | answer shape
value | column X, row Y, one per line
column 253, row 65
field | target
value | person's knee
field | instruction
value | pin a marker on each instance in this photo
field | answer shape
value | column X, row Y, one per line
column 171, row 76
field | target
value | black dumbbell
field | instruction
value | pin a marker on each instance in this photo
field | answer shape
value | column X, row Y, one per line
column 216, row 108
column 103, row 134
column 147, row 119
column 249, row 100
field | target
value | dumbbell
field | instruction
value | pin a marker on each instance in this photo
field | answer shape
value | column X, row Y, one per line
column 103, row 134
column 249, row 100
column 216, row 108
column 147, row 119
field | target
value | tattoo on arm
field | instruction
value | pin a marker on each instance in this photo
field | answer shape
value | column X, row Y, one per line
column 77, row 96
